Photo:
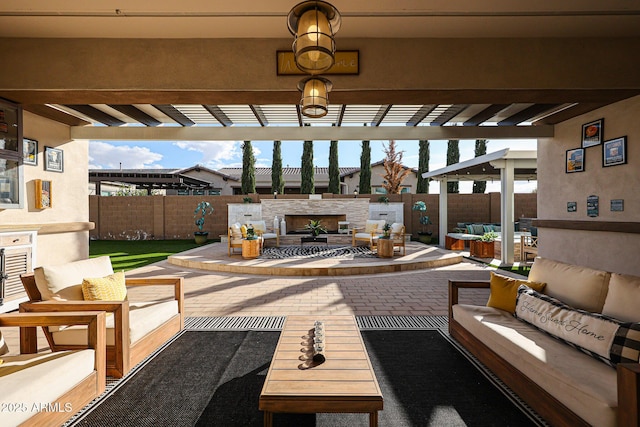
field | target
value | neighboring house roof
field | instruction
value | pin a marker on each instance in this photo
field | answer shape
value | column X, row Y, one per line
column 199, row 168
column 357, row 170
column 287, row 171
column 151, row 178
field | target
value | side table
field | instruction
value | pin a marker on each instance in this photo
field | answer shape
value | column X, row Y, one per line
column 250, row 248
column 385, row 248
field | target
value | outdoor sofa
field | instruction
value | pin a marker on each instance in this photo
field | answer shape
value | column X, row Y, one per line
column 535, row 354
column 48, row 388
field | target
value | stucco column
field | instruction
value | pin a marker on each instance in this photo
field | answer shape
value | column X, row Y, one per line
column 442, row 209
column 507, row 176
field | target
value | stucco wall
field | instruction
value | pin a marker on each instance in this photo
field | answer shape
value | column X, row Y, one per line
column 611, row 251
column 69, row 194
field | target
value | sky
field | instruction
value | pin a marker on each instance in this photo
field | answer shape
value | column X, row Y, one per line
column 218, row 154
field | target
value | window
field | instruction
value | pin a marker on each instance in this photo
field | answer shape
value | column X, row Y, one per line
column 11, row 174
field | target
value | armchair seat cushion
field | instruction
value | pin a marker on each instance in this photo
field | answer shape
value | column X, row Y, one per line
column 365, row 236
column 269, row 236
column 144, row 317
column 34, row 379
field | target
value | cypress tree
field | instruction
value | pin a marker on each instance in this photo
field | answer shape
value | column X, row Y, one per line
column 481, row 150
column 453, row 157
column 248, row 183
column 334, row 169
column 277, row 180
column 365, row 169
column 307, row 185
column 423, row 166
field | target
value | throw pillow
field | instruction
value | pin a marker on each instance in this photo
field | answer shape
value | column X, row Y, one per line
column 478, row 229
column 236, row 234
column 109, row 288
column 504, row 291
column 599, row 336
column 64, row 282
column 3, row 346
column 487, row 228
column 623, row 298
column 469, row 229
column 243, row 230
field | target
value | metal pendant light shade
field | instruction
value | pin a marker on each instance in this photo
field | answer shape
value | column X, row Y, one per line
column 314, row 23
column 315, row 96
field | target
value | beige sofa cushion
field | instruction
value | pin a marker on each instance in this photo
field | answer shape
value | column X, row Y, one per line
column 64, row 282
column 144, row 317
column 36, row 379
column 623, row 298
column 579, row 287
column 585, row 385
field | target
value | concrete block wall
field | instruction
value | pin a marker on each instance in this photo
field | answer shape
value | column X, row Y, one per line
column 171, row 217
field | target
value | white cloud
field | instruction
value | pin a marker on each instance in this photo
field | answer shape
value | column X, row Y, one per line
column 217, row 154
column 103, row 155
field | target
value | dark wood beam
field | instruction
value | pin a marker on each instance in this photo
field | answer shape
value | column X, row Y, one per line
column 174, row 114
column 96, row 114
column 449, row 114
column 485, row 114
column 421, row 114
column 136, row 114
column 218, row 114
column 384, row 109
column 257, row 111
column 55, row 115
column 343, row 109
column 569, row 113
column 526, row 114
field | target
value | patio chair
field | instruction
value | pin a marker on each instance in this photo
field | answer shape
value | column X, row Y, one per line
column 135, row 330
column 397, row 235
column 234, row 238
column 528, row 246
column 32, row 384
column 370, row 234
column 260, row 228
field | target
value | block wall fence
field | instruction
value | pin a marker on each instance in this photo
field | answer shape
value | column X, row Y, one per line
column 171, row 217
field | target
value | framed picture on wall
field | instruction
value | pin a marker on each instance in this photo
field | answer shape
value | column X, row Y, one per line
column 30, row 151
column 614, row 152
column 43, row 194
column 592, row 133
column 53, row 159
column 575, row 160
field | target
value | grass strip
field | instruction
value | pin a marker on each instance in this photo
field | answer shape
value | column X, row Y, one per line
column 129, row 254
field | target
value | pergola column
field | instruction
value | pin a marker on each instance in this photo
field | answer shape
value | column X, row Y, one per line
column 507, row 176
column 442, row 211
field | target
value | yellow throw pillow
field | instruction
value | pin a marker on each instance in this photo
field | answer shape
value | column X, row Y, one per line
column 504, row 291
column 243, row 230
column 109, row 288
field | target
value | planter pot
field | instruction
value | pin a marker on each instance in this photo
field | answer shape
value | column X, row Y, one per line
column 480, row 249
column 201, row 237
column 424, row 237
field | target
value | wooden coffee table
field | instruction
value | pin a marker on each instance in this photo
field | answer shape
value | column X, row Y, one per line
column 343, row 383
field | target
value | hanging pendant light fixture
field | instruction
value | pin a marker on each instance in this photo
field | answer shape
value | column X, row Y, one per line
column 314, row 24
column 315, row 96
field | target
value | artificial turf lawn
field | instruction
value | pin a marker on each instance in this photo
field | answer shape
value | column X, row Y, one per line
column 129, row 254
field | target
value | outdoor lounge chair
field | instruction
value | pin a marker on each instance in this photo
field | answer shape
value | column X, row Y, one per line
column 528, row 246
column 370, row 234
column 260, row 228
column 34, row 384
column 234, row 238
column 135, row 329
column 397, row 235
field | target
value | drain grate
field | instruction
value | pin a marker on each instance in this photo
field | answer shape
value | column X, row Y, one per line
column 402, row 322
column 270, row 323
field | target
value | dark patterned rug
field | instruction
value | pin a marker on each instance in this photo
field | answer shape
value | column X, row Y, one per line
column 304, row 252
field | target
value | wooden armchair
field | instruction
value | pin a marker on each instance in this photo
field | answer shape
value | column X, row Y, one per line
column 528, row 246
column 370, row 233
column 397, row 235
column 49, row 369
column 234, row 238
column 260, row 228
column 135, row 330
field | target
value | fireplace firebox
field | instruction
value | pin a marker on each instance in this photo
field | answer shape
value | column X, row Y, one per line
column 296, row 223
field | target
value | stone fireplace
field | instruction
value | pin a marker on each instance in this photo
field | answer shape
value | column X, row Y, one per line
column 298, row 212
column 296, row 222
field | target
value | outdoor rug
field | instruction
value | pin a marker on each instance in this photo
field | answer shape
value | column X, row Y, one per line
column 214, row 378
column 305, row 252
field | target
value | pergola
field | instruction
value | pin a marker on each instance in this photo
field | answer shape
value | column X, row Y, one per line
column 506, row 165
